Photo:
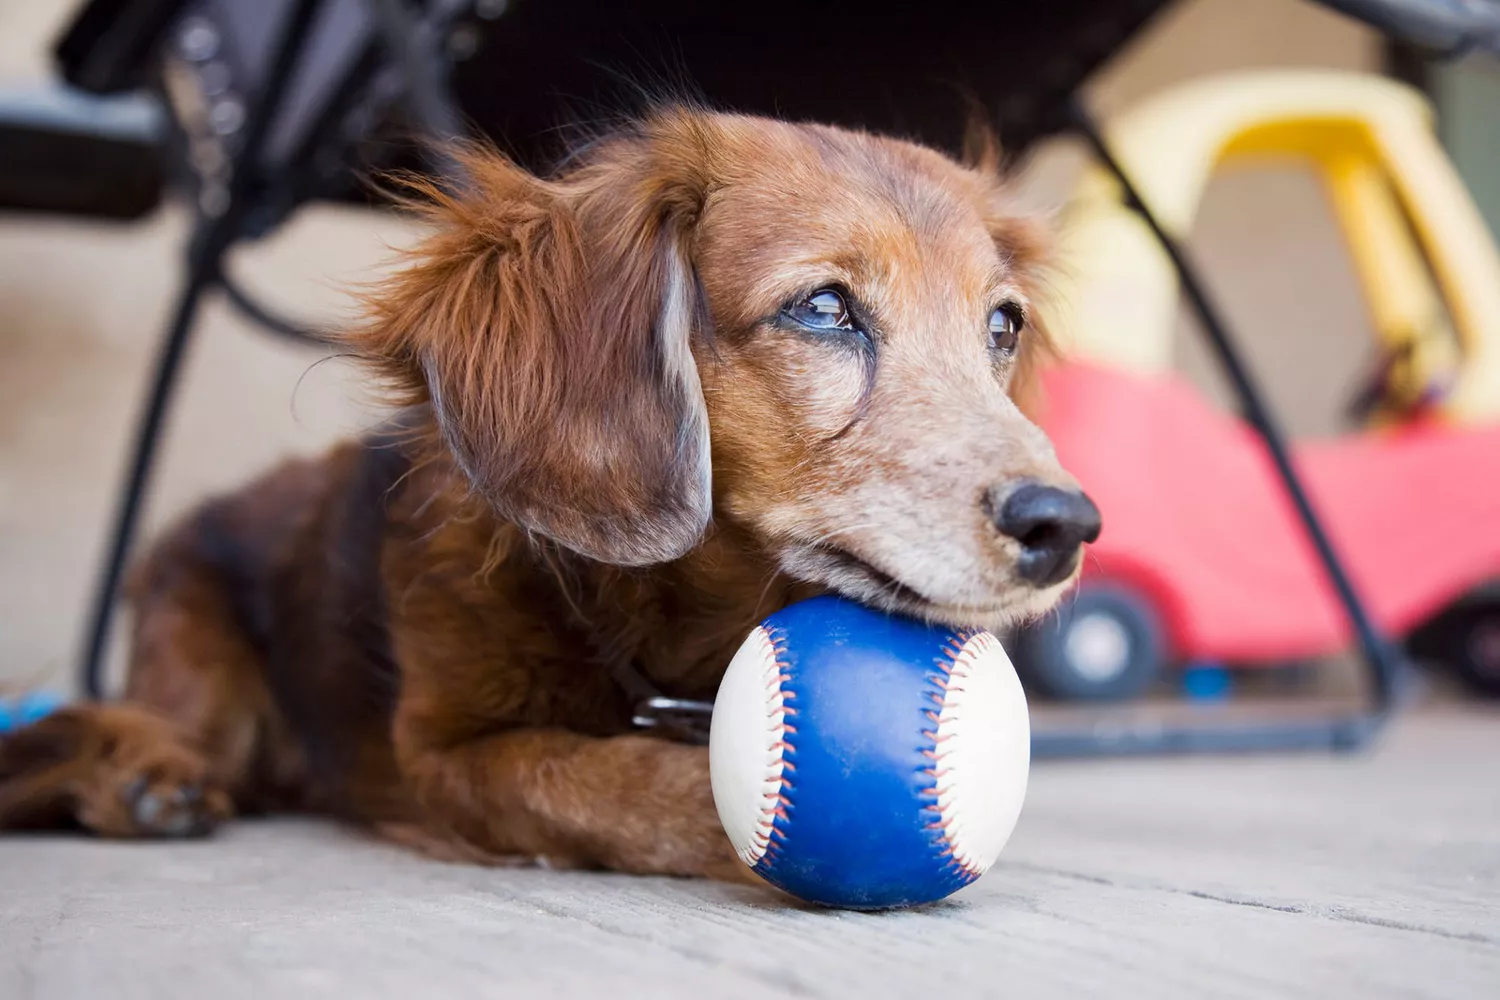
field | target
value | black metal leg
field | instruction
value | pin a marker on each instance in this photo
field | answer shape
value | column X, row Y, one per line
column 211, row 239
column 128, row 508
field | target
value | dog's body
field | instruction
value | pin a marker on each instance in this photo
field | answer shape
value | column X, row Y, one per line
column 717, row 364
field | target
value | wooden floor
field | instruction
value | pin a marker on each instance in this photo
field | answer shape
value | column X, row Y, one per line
column 1371, row 876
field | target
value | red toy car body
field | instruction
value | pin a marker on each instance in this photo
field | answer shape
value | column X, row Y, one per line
column 1198, row 528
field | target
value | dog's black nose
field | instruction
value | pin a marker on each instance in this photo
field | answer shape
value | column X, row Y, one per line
column 1051, row 524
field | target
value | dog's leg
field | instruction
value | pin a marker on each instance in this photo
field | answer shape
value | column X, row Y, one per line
column 171, row 758
column 630, row 803
column 118, row 770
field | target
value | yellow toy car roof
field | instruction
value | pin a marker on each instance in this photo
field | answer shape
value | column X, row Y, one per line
column 1402, row 207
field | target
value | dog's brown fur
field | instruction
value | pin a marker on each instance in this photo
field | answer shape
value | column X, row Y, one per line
column 613, row 448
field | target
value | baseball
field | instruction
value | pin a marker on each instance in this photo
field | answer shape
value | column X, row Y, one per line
column 867, row 761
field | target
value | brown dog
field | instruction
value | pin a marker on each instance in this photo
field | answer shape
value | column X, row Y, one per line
column 716, row 364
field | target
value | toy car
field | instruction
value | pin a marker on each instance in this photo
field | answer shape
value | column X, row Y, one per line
column 1202, row 559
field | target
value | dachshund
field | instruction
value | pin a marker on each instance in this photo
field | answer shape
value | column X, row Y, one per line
column 711, row 365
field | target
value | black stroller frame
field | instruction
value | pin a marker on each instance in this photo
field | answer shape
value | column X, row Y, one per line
column 431, row 106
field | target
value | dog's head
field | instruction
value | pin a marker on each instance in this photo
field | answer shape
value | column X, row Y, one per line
column 806, row 332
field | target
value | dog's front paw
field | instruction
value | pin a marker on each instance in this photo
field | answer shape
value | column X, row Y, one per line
column 144, row 781
column 162, row 801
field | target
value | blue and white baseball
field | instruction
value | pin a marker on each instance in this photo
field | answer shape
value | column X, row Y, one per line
column 867, row 761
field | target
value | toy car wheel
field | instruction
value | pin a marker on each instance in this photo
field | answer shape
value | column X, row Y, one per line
column 1102, row 645
column 1466, row 639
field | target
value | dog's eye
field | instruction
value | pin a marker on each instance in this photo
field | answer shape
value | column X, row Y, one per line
column 824, row 309
column 1005, row 328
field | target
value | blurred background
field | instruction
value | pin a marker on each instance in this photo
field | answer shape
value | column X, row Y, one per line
column 82, row 302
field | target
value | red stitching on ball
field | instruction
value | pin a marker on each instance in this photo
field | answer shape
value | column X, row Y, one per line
column 956, row 648
column 775, row 803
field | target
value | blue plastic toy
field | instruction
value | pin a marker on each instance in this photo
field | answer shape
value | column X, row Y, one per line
column 26, row 709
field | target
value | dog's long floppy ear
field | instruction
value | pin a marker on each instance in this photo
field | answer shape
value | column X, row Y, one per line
column 549, row 325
